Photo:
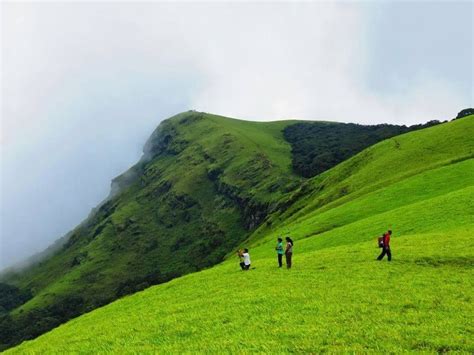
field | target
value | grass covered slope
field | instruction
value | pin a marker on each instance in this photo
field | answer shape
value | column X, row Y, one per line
column 337, row 297
column 204, row 183
column 421, row 163
column 318, row 146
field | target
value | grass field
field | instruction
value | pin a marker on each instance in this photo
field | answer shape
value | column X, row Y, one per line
column 337, row 297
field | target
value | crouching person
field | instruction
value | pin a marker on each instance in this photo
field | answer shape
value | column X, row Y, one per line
column 246, row 257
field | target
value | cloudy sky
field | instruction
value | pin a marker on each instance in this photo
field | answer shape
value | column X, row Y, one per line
column 83, row 84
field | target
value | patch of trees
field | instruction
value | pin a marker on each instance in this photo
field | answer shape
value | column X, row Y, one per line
column 31, row 324
column 11, row 297
column 136, row 284
column 13, row 330
column 465, row 112
column 319, row 146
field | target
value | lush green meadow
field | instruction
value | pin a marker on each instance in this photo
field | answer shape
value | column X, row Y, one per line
column 337, row 297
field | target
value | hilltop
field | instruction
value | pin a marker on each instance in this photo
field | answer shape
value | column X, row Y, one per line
column 207, row 184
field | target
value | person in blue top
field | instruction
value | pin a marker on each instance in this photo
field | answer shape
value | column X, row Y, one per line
column 280, row 251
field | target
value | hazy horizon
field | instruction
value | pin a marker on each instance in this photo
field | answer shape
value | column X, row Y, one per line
column 85, row 84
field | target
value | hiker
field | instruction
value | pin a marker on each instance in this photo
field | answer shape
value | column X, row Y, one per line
column 240, row 254
column 246, row 257
column 280, row 252
column 288, row 252
column 385, row 243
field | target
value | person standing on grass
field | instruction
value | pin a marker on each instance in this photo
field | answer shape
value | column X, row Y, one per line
column 288, row 252
column 386, row 246
column 246, row 256
column 280, row 251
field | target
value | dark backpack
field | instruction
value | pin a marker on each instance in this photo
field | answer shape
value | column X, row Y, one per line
column 380, row 240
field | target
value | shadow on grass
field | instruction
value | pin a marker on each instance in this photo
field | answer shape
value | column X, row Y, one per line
column 438, row 261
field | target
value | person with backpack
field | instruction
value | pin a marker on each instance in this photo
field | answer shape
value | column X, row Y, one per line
column 246, row 257
column 384, row 243
column 280, row 252
column 288, row 252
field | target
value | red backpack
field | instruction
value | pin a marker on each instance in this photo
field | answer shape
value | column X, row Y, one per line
column 380, row 241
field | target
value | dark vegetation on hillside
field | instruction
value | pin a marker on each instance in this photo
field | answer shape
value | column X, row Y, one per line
column 319, row 146
column 465, row 112
column 12, row 297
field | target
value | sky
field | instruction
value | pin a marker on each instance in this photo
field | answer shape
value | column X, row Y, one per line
column 83, row 84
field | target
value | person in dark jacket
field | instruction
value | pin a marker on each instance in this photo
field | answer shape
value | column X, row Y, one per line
column 386, row 246
column 289, row 252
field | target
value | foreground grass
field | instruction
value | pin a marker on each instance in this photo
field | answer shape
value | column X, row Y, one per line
column 337, row 299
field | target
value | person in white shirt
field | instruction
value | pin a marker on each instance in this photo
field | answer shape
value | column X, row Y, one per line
column 246, row 259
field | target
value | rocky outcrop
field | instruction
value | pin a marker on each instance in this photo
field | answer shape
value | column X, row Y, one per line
column 253, row 213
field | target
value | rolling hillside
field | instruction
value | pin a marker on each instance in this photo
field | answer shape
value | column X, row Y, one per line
column 337, row 297
column 200, row 188
column 205, row 183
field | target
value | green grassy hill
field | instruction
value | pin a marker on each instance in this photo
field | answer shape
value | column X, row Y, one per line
column 337, row 297
column 204, row 184
column 200, row 189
